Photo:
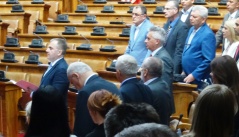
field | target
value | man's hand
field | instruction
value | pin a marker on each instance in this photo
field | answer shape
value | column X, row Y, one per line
column 189, row 78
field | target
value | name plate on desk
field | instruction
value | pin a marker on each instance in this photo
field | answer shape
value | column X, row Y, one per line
column 100, row 2
column 149, row 2
column 37, row 2
column 98, row 31
column 81, row 9
column 17, row 8
column 62, row 18
column 108, row 9
column 41, row 30
column 36, row 43
column 90, row 19
column 12, row 42
column 12, row 2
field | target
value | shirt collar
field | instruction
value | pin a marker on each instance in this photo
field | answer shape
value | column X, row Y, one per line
column 53, row 63
column 187, row 11
column 173, row 23
column 155, row 51
column 150, row 80
column 88, row 78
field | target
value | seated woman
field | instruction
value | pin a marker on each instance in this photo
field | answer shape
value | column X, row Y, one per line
column 99, row 103
column 214, row 112
column 231, row 39
column 48, row 115
column 224, row 71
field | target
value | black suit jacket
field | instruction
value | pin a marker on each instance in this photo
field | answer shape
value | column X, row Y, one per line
column 162, row 99
column 134, row 91
column 57, row 77
column 175, row 43
column 83, row 122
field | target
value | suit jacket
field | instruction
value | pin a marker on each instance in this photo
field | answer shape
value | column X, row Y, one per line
column 198, row 55
column 187, row 21
column 99, row 131
column 83, row 122
column 175, row 43
column 134, row 91
column 167, row 74
column 219, row 35
column 162, row 99
column 57, row 77
column 137, row 47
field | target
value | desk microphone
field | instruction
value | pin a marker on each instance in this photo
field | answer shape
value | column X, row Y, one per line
column 112, row 42
column 40, row 23
column 37, row 36
column 88, row 41
column 59, row 34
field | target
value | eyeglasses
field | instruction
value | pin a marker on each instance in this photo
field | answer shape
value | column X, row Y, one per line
column 136, row 14
column 168, row 8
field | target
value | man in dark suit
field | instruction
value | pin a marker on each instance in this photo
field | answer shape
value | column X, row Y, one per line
column 154, row 42
column 138, row 32
column 56, row 73
column 233, row 9
column 175, row 31
column 200, row 48
column 86, row 82
column 132, row 90
column 151, row 72
column 185, row 13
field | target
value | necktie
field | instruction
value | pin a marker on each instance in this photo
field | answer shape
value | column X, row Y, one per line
column 168, row 30
column 236, row 56
column 49, row 67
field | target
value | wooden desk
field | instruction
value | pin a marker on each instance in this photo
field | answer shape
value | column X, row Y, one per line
column 123, row 8
column 24, row 19
column 100, row 40
column 9, row 95
column 3, row 32
column 110, row 29
column 42, row 8
column 105, row 18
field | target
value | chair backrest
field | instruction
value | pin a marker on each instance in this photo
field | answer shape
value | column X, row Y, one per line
column 71, row 60
column 16, row 76
column 54, row 10
column 13, row 25
column 34, row 78
column 95, row 64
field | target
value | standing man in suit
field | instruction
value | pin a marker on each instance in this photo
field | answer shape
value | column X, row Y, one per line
column 151, row 72
column 86, row 82
column 233, row 9
column 185, row 13
column 200, row 48
column 154, row 42
column 138, row 32
column 132, row 90
column 175, row 31
column 56, row 73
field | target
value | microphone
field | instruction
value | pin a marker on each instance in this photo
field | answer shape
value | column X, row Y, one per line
column 118, row 22
column 40, row 23
column 37, row 36
column 179, row 120
column 88, row 42
column 112, row 42
column 84, row 46
column 59, row 34
column 81, row 2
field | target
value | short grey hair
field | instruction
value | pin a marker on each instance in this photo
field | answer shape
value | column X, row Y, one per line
column 127, row 65
column 203, row 11
column 154, row 66
column 158, row 33
column 175, row 4
column 147, row 130
column 78, row 67
column 143, row 9
column 61, row 44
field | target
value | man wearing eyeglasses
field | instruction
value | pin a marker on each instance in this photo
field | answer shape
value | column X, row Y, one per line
column 175, row 34
column 233, row 8
column 138, row 32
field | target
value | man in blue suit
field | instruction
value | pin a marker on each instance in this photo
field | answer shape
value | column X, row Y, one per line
column 132, row 89
column 200, row 48
column 138, row 32
column 86, row 82
column 176, row 37
column 151, row 72
column 56, row 73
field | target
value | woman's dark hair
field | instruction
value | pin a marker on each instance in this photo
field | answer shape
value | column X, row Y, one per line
column 214, row 112
column 225, row 71
column 49, row 116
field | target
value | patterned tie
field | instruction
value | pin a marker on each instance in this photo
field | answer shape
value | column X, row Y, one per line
column 168, row 30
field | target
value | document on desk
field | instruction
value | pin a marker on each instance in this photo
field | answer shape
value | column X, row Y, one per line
column 26, row 86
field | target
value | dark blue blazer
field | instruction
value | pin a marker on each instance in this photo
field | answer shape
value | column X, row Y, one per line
column 57, row 77
column 175, row 43
column 198, row 55
column 162, row 99
column 134, row 91
column 83, row 122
